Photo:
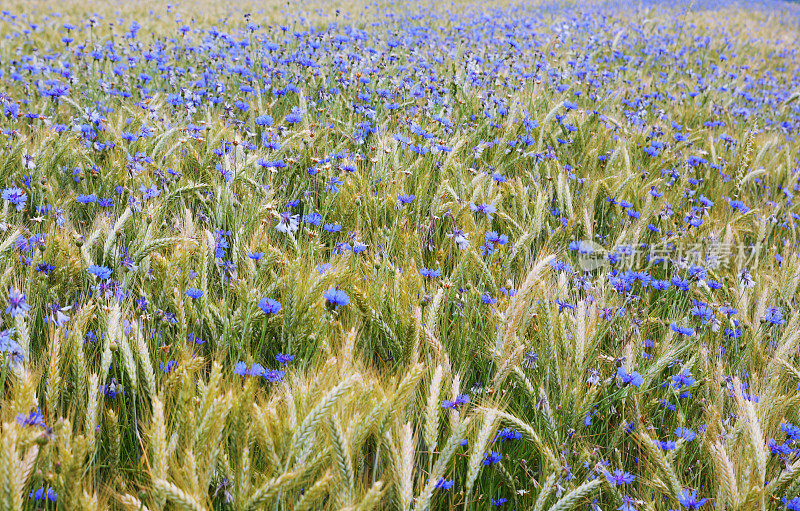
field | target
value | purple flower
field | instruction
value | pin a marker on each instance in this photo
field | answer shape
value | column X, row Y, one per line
column 194, row 293
column 16, row 303
column 774, row 315
column 269, row 306
column 459, row 237
column 682, row 330
column 668, row 445
column 632, row 378
column 35, row 418
column 44, row 494
column 284, row 358
column 333, row 185
column 86, row 199
column 619, row 477
column 487, row 209
column 405, row 199
column 16, row 197
column 444, row 484
column 689, row 499
column 507, row 434
column 627, row 504
column 702, row 311
column 288, row 222
column 101, row 272
column 264, row 120
column 428, row 273
column 240, row 368
column 295, row 116
column 336, row 297
column 169, row 366
column 791, row 431
column 460, row 399
column 273, row 375
column 492, row 457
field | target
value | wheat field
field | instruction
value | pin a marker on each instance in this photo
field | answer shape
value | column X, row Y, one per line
column 399, row 255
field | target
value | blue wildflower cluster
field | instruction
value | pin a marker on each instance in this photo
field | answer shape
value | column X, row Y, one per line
column 274, row 244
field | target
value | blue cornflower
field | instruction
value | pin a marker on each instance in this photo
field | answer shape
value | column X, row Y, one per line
column 16, row 303
column 680, row 283
column 273, row 375
column 295, row 116
column 284, row 358
column 44, row 494
column 256, row 370
column 774, row 315
column 494, row 237
column 16, row 197
column 333, row 185
column 487, row 209
column 791, row 431
column 686, row 434
column 287, row 222
column 194, row 293
column 269, row 306
column 169, row 366
column 460, row 399
column 632, row 378
column 86, row 199
column 312, row 218
column 582, row 247
column 150, row 192
column 101, row 272
column 255, row 256
column 682, row 330
column 508, row 434
column 682, row 380
column 444, row 484
column 667, row 445
column 627, row 504
column 492, row 457
column 459, row 237
column 336, row 297
column 240, row 368
column 660, row 285
column 429, row 273
column 264, row 120
column 689, row 499
column 405, row 199
column 619, row 477
column 35, row 418
column 701, row 310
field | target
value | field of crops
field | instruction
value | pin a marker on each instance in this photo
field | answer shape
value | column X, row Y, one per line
column 399, row 255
